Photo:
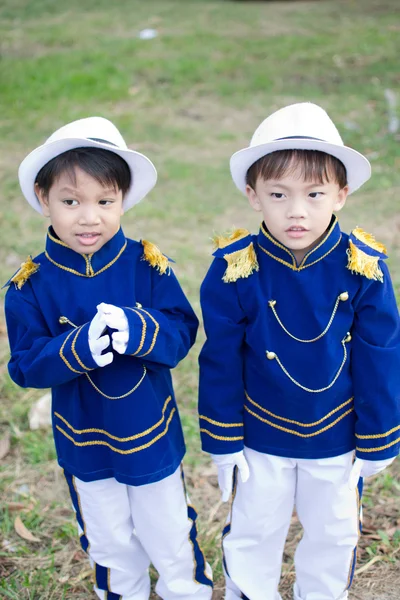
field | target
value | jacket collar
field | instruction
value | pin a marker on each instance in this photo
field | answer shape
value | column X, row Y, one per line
column 270, row 246
column 84, row 265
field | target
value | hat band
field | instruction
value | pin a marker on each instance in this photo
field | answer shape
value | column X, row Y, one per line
column 299, row 137
column 103, row 141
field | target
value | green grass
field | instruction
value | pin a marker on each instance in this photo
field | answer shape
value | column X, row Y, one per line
column 188, row 99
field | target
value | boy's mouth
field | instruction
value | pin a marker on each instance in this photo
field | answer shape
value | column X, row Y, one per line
column 88, row 238
column 296, row 231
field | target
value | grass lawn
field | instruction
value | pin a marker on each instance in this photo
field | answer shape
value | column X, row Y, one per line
column 188, row 98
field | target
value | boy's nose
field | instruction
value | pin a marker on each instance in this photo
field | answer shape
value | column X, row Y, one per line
column 297, row 210
column 89, row 216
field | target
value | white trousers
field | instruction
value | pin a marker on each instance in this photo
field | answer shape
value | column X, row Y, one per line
column 256, row 530
column 124, row 528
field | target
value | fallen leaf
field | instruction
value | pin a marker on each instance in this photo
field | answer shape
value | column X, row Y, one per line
column 5, row 445
column 15, row 506
column 23, row 531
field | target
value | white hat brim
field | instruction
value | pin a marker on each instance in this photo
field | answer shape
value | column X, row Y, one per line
column 358, row 168
column 143, row 172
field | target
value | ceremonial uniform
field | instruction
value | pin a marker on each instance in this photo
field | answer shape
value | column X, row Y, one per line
column 118, row 424
column 300, row 368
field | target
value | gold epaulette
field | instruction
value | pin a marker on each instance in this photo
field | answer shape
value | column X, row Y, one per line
column 364, row 253
column 153, row 255
column 241, row 258
column 27, row 269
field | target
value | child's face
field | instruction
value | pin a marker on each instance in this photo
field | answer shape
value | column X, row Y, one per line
column 296, row 212
column 84, row 214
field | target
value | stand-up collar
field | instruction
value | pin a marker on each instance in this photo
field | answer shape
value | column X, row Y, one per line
column 269, row 245
column 84, row 265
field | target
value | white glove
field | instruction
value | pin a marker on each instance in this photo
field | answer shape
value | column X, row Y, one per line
column 367, row 468
column 226, row 464
column 99, row 342
column 115, row 318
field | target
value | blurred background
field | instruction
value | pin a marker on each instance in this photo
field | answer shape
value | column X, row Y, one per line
column 187, row 82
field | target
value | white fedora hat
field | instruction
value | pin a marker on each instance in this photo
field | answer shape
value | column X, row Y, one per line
column 93, row 132
column 303, row 126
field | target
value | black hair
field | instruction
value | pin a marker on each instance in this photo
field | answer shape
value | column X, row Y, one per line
column 105, row 166
column 315, row 166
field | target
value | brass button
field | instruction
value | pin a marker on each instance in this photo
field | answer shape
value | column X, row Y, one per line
column 138, row 305
column 271, row 303
column 347, row 338
column 344, row 296
column 270, row 355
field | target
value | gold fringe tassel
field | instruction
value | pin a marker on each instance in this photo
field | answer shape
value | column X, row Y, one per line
column 155, row 257
column 362, row 263
column 221, row 241
column 369, row 240
column 27, row 269
column 241, row 264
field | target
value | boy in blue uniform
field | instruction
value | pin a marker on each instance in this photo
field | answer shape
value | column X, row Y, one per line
column 301, row 368
column 101, row 319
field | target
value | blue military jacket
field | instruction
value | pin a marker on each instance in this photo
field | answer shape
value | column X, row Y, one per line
column 120, row 420
column 301, row 360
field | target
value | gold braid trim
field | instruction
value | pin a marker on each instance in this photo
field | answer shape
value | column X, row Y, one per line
column 379, row 448
column 362, row 263
column 223, row 438
column 114, row 437
column 113, row 448
column 156, row 330
column 153, row 255
column 27, row 269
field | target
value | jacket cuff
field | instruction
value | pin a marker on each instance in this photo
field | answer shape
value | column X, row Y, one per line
column 75, row 351
column 143, row 332
column 221, row 438
column 378, row 446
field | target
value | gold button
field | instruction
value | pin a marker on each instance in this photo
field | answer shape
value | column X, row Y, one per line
column 270, row 355
column 344, row 296
column 271, row 303
column 347, row 338
column 138, row 305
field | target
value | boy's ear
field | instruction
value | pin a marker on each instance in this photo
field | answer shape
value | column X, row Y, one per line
column 43, row 200
column 253, row 199
column 341, row 199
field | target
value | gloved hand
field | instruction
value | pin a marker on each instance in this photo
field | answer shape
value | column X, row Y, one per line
column 99, row 342
column 367, row 468
column 225, row 464
column 115, row 318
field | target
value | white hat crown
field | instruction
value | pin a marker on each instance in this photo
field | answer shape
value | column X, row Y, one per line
column 302, row 126
column 92, row 132
column 91, row 128
column 303, row 120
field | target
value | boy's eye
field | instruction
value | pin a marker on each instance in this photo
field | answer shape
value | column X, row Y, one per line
column 106, row 202
column 70, row 202
column 315, row 195
column 277, row 195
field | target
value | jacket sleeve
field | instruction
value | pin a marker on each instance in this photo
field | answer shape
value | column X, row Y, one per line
column 163, row 333
column 376, row 370
column 221, row 392
column 38, row 359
